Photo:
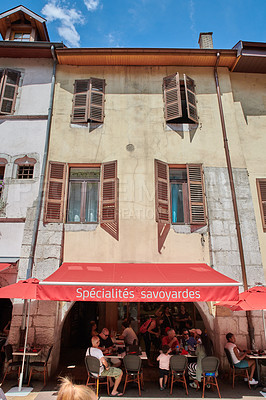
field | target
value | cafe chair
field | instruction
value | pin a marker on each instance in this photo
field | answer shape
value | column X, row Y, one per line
column 210, row 367
column 132, row 364
column 93, row 369
column 11, row 365
column 178, row 367
column 243, row 372
column 42, row 367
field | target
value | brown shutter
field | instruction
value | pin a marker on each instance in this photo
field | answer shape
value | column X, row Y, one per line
column 80, row 101
column 9, row 90
column 196, row 194
column 55, row 193
column 261, row 187
column 96, row 102
column 162, row 201
column 109, row 199
column 191, row 99
column 172, row 97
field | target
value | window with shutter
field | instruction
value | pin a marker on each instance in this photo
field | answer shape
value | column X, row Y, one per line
column 8, row 90
column 261, row 187
column 88, row 100
column 109, row 199
column 55, row 193
column 179, row 96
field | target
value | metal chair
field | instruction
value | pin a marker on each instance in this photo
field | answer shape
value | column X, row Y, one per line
column 134, row 373
column 178, row 366
column 243, row 372
column 10, row 363
column 210, row 367
column 93, row 366
column 40, row 364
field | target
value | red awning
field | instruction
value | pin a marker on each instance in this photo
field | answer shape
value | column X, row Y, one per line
column 3, row 267
column 251, row 299
column 137, row 282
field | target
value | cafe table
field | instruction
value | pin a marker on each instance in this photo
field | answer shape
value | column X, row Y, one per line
column 143, row 355
column 28, row 355
column 257, row 357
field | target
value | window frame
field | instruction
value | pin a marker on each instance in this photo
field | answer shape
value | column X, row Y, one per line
column 83, row 195
column 262, row 201
column 185, row 196
column 3, row 84
column 25, row 162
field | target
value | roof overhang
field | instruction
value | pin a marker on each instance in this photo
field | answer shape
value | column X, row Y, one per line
column 27, row 49
column 145, row 56
column 251, row 57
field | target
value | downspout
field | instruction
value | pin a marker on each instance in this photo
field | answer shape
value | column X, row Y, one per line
column 41, row 186
column 232, row 186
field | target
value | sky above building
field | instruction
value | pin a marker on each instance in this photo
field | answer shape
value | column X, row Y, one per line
column 149, row 23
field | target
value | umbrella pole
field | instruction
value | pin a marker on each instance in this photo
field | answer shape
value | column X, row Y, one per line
column 25, row 348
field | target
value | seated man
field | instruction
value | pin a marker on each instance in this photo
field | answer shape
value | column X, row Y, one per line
column 128, row 334
column 106, row 342
column 170, row 339
column 194, row 337
column 238, row 357
column 184, row 339
column 105, row 369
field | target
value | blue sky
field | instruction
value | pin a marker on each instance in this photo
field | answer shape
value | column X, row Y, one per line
column 149, row 23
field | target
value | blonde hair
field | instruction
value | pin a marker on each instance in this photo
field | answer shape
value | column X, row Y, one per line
column 69, row 391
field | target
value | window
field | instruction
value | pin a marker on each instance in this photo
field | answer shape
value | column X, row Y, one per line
column 180, row 104
column 83, row 195
column 25, row 167
column 88, row 101
column 92, row 195
column 2, row 173
column 179, row 197
column 261, row 187
column 9, row 81
column 21, row 37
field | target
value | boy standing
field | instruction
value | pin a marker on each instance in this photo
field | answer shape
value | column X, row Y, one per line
column 164, row 363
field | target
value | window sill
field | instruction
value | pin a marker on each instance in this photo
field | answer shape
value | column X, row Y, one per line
column 186, row 229
column 79, row 226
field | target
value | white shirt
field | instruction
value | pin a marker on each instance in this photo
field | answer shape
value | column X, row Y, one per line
column 95, row 352
column 129, row 336
column 164, row 361
column 230, row 346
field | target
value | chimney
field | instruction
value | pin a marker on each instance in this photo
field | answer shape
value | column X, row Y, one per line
column 205, row 40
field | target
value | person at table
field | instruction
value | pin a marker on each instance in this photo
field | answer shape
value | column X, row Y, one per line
column 239, row 357
column 184, row 339
column 182, row 317
column 69, row 391
column 164, row 366
column 168, row 321
column 128, row 334
column 195, row 369
column 153, row 336
column 105, row 369
column 193, row 338
column 106, row 343
column 170, row 340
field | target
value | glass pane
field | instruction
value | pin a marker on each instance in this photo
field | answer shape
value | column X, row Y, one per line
column 74, row 202
column 177, row 203
column 9, row 92
column 12, row 77
column 85, row 173
column 91, row 210
column 6, row 106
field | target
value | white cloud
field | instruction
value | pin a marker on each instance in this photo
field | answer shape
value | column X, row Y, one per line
column 92, row 5
column 68, row 18
column 112, row 40
column 191, row 6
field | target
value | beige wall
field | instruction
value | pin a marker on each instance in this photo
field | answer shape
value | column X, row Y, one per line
column 250, row 108
column 134, row 115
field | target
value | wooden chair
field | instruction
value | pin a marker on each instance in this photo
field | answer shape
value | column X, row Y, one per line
column 11, row 365
column 42, row 367
column 178, row 366
column 210, row 367
column 243, row 372
column 93, row 369
column 134, row 373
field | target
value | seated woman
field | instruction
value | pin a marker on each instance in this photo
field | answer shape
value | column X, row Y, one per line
column 195, row 369
column 238, row 357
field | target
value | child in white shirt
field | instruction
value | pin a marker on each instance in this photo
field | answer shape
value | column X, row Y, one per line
column 164, row 365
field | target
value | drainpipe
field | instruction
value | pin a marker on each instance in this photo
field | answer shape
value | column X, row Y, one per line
column 232, row 186
column 41, row 186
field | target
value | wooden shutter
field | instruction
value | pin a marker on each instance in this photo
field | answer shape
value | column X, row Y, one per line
column 109, row 199
column 191, row 99
column 261, row 187
column 96, row 101
column 162, row 201
column 80, row 101
column 55, row 193
column 196, row 194
column 172, row 97
column 9, row 90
